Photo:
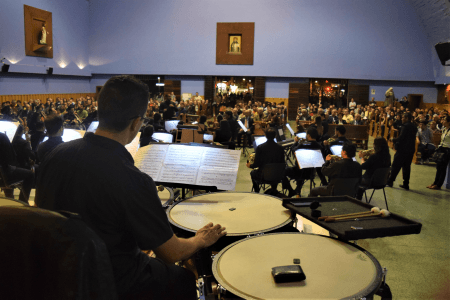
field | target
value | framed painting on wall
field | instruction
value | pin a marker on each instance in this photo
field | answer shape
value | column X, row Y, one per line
column 234, row 43
column 38, row 32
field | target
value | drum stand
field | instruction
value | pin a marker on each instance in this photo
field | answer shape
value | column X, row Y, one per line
column 384, row 291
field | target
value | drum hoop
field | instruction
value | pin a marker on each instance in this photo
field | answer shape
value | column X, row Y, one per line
column 366, row 292
column 171, row 199
column 14, row 200
column 289, row 220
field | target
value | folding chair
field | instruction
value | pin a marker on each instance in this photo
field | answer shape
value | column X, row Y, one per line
column 378, row 182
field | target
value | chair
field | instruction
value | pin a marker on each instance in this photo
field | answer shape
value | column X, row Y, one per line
column 272, row 174
column 12, row 185
column 345, row 187
column 377, row 182
column 47, row 255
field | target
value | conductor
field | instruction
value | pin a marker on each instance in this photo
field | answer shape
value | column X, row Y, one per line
column 96, row 178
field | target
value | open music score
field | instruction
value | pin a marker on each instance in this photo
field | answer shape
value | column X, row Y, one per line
column 260, row 140
column 68, row 135
column 242, row 126
column 92, row 127
column 290, row 129
column 195, row 165
column 208, row 137
column 301, row 135
column 308, row 158
column 165, row 137
column 9, row 128
column 171, row 125
column 134, row 145
column 337, row 149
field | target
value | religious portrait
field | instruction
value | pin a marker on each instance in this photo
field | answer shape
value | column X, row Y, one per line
column 235, row 44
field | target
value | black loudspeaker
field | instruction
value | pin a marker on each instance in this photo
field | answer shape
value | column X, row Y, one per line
column 443, row 51
column 5, row 68
column 50, row 71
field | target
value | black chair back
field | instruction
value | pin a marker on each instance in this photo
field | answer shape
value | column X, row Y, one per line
column 273, row 172
column 379, row 178
column 345, row 187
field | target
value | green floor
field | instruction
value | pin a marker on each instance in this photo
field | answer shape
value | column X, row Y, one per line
column 418, row 265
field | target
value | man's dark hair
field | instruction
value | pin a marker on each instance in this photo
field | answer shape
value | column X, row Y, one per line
column 148, row 130
column 219, row 118
column 157, row 117
column 121, row 99
column 53, row 123
column 229, row 114
column 202, row 119
column 341, row 129
column 408, row 116
column 270, row 133
column 350, row 149
column 313, row 133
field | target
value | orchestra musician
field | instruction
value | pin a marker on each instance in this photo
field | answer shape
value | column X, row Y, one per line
column 168, row 108
column 344, row 168
column 266, row 153
column 380, row 159
column 301, row 175
column 247, row 121
column 95, row 177
column 405, row 145
column 25, row 156
column 55, row 130
column 146, row 136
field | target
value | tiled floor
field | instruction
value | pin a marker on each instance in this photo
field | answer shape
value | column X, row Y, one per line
column 418, row 265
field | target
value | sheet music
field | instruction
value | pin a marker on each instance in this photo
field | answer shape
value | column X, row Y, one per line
column 171, row 125
column 280, row 132
column 184, row 155
column 223, row 158
column 9, row 128
column 308, row 158
column 262, row 140
column 186, row 174
column 242, row 126
column 301, row 135
column 222, row 178
column 93, row 126
column 149, row 159
column 134, row 145
column 208, row 137
column 336, row 150
column 165, row 137
column 289, row 128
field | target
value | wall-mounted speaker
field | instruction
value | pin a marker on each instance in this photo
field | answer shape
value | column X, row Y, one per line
column 5, row 68
column 443, row 51
column 50, row 71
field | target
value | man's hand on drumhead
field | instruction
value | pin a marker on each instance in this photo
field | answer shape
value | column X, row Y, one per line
column 210, row 233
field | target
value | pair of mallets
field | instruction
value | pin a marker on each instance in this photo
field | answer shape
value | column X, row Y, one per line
column 374, row 212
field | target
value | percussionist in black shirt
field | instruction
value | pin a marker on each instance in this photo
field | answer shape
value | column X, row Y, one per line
column 96, row 178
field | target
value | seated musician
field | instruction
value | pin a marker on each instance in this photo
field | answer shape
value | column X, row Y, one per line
column 95, row 177
column 344, row 168
column 38, row 135
column 157, row 126
column 266, row 153
column 426, row 146
column 301, row 175
column 146, row 136
column 223, row 134
column 55, row 130
column 14, row 174
column 380, row 159
column 24, row 154
column 339, row 139
column 247, row 121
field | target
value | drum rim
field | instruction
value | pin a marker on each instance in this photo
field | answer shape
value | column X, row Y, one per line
column 289, row 220
column 366, row 292
column 14, row 200
column 172, row 195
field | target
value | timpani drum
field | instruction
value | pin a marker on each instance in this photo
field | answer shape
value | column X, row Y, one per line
column 166, row 196
column 242, row 214
column 11, row 202
column 334, row 269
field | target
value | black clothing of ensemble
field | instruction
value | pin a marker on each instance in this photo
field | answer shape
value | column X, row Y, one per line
column 405, row 145
column 36, row 138
column 23, row 152
column 266, row 153
column 170, row 110
column 375, row 161
column 47, row 146
column 249, row 132
column 145, row 140
column 95, row 177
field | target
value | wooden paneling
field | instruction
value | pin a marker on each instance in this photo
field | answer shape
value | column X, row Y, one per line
column 172, row 86
column 259, row 93
column 298, row 94
column 360, row 93
column 209, row 88
column 43, row 97
column 278, row 100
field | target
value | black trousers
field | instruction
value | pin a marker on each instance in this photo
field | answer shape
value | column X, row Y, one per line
column 164, row 282
column 256, row 176
column 249, row 138
column 441, row 168
column 402, row 161
column 17, row 174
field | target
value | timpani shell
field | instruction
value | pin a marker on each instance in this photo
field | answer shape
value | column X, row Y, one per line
column 11, row 202
column 240, row 213
column 333, row 269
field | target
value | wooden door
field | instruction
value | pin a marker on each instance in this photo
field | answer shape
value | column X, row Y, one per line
column 172, row 86
column 415, row 100
column 298, row 94
column 259, row 93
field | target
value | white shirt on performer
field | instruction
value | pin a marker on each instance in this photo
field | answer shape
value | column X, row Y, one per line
column 445, row 138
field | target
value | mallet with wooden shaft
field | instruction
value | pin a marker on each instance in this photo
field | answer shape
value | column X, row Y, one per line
column 383, row 213
column 374, row 210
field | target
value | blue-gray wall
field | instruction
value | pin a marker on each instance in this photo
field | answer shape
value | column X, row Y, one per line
column 358, row 39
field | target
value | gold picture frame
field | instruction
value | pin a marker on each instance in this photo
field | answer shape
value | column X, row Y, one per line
column 235, row 43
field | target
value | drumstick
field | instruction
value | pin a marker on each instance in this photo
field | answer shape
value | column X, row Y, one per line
column 384, row 213
column 374, row 210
